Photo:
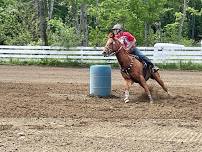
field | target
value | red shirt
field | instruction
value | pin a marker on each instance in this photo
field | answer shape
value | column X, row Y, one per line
column 125, row 38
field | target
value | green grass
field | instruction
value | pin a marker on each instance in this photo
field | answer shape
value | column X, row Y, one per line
column 45, row 62
column 70, row 63
column 181, row 66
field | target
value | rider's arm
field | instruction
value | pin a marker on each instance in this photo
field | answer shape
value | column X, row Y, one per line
column 132, row 44
column 132, row 41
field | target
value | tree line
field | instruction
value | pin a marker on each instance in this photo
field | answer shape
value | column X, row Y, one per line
column 86, row 22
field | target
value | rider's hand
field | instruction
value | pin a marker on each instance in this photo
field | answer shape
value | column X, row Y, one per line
column 127, row 49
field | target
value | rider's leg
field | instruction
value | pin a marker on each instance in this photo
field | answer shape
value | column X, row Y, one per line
column 137, row 52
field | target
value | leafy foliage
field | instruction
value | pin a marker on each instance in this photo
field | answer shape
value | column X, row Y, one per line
column 62, row 35
column 17, row 23
column 150, row 21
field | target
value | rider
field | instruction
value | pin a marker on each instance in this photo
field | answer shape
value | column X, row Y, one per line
column 129, row 43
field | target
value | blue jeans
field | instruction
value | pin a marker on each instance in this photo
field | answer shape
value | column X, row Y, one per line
column 138, row 53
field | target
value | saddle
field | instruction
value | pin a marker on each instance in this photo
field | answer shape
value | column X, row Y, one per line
column 145, row 65
column 147, row 69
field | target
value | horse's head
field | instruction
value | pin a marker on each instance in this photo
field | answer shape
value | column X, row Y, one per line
column 112, row 46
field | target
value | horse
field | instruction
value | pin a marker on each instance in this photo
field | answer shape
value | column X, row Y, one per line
column 132, row 69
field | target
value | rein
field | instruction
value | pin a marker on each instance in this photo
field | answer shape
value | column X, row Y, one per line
column 119, row 50
column 116, row 52
column 125, row 69
column 128, row 68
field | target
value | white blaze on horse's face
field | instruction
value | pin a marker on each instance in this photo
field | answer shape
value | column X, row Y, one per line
column 108, row 49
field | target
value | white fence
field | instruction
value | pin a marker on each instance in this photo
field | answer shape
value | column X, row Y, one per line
column 160, row 53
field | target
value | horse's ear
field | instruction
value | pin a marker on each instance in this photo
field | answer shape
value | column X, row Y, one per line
column 111, row 35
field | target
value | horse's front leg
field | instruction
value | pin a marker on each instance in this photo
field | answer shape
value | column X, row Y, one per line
column 128, row 84
column 146, row 88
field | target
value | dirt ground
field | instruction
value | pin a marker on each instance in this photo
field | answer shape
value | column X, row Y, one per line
column 48, row 109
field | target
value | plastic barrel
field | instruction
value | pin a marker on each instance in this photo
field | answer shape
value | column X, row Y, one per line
column 100, row 80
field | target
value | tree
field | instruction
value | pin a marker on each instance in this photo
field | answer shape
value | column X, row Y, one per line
column 34, row 22
column 17, row 22
column 42, row 12
column 83, row 24
column 183, row 16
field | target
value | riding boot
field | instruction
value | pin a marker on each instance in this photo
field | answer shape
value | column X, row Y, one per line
column 150, row 64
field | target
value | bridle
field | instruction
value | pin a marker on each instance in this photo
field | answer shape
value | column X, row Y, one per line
column 111, row 49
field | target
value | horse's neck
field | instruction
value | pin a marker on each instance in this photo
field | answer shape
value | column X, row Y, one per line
column 123, row 58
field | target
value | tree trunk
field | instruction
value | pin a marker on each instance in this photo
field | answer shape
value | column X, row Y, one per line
column 83, row 25
column 74, row 11
column 193, row 22
column 96, row 19
column 42, row 7
column 183, row 19
column 50, row 8
column 193, row 27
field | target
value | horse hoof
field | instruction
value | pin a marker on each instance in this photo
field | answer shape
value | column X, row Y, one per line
column 170, row 94
column 126, row 100
column 151, row 101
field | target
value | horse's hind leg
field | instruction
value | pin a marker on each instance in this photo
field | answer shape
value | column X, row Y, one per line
column 128, row 84
column 157, row 77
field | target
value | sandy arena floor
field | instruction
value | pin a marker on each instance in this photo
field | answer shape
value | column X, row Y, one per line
column 47, row 109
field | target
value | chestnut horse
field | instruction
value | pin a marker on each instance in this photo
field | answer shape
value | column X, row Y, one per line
column 132, row 69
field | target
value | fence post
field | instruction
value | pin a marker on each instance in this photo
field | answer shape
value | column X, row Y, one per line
column 201, row 43
column 82, row 54
column 158, row 54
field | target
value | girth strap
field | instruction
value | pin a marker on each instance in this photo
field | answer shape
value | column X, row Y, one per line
column 127, row 69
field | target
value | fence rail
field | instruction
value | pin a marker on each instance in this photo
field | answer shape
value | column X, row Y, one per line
column 164, row 53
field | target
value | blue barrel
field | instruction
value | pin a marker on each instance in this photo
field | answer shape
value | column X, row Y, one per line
column 100, row 80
